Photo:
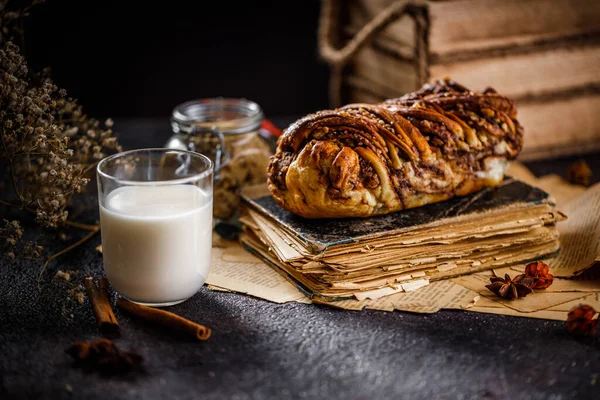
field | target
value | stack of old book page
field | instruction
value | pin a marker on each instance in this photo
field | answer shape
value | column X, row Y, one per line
column 375, row 257
column 359, row 258
column 285, row 266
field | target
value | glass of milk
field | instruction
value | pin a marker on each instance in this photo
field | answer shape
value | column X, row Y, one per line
column 156, row 222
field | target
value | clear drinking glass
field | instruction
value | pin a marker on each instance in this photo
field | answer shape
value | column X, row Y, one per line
column 156, row 222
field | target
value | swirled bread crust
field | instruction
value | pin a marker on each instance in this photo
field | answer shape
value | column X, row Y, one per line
column 368, row 159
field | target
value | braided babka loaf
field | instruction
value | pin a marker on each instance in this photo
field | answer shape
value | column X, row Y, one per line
column 368, row 159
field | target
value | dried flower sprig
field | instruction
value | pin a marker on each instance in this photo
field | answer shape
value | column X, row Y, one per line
column 12, row 14
column 48, row 145
column 11, row 234
column 580, row 320
column 536, row 276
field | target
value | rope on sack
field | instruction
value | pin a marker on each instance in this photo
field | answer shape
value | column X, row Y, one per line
column 338, row 58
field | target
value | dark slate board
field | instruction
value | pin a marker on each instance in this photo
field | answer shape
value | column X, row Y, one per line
column 320, row 234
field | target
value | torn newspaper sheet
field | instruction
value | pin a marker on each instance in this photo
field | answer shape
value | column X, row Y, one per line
column 579, row 235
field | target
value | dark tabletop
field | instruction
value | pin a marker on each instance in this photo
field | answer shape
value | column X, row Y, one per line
column 263, row 350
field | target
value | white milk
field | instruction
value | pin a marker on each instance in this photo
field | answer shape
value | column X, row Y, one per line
column 156, row 241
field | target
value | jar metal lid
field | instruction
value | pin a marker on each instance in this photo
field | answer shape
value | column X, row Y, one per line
column 228, row 115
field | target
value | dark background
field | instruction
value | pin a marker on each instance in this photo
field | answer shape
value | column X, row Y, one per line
column 141, row 59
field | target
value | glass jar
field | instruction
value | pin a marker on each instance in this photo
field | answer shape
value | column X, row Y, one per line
column 227, row 130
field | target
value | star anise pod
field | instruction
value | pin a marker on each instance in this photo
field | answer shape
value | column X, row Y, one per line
column 507, row 288
column 580, row 320
column 523, row 279
column 105, row 357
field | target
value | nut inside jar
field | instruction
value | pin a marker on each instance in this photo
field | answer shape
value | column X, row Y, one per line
column 243, row 154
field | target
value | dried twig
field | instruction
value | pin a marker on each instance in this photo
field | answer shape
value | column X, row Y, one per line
column 93, row 230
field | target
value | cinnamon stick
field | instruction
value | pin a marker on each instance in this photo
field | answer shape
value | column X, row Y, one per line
column 165, row 318
column 107, row 322
column 103, row 285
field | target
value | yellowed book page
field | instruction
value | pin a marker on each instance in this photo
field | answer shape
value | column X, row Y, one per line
column 579, row 235
column 484, row 302
column 285, row 249
column 442, row 294
column 391, row 289
column 424, row 254
column 536, row 301
column 217, row 288
column 562, row 190
column 429, row 299
column 248, row 220
column 559, row 284
column 420, row 304
column 485, row 226
column 592, row 300
column 237, row 253
column 290, row 273
column 256, row 279
column 352, row 304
